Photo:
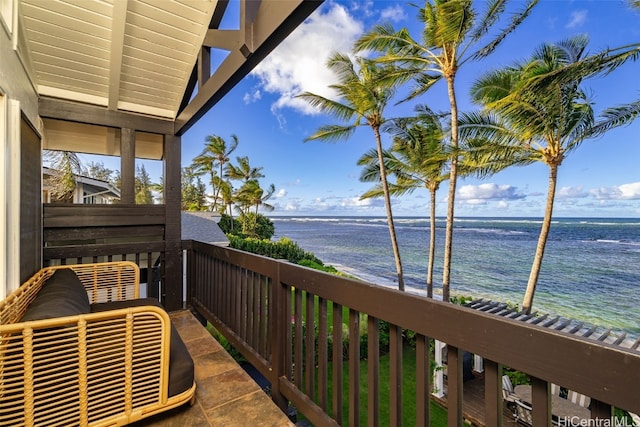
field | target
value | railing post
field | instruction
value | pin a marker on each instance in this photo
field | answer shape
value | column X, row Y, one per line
column 277, row 314
column 493, row 406
column 541, row 404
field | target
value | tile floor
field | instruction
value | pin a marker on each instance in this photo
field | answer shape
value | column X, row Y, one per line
column 226, row 396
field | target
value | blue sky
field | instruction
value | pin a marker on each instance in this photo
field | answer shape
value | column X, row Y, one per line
column 600, row 179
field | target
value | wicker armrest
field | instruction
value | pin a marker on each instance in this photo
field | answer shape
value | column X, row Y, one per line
column 108, row 281
column 110, row 365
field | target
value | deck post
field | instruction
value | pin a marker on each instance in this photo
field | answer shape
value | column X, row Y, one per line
column 172, row 296
column 279, row 325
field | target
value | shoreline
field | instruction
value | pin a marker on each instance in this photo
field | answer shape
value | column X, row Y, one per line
column 374, row 280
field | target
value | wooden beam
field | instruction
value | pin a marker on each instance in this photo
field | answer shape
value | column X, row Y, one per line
column 222, row 39
column 204, row 65
column 127, row 165
column 273, row 23
column 119, row 19
column 216, row 19
column 91, row 114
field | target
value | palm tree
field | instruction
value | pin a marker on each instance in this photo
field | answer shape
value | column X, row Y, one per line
column 363, row 98
column 215, row 152
column 537, row 111
column 243, row 171
column 251, row 194
column 450, row 31
column 418, row 159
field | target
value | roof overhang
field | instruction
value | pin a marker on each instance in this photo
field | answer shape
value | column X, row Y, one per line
column 150, row 58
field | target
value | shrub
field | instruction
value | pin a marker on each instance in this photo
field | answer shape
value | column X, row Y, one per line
column 229, row 225
column 284, row 248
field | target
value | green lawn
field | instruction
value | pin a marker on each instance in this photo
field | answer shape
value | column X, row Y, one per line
column 438, row 414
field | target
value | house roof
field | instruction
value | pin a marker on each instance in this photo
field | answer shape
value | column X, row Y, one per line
column 146, row 56
column 558, row 323
column 90, row 184
column 203, row 227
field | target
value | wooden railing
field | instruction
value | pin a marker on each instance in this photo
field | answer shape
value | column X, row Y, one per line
column 77, row 234
column 284, row 318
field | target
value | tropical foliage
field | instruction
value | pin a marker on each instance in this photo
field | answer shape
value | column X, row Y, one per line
column 540, row 111
column 363, row 96
column 212, row 160
column 452, row 29
column 417, row 159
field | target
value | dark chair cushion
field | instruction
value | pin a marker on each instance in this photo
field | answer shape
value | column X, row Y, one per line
column 180, row 361
column 61, row 295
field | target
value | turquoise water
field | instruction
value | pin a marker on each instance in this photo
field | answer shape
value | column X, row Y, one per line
column 590, row 272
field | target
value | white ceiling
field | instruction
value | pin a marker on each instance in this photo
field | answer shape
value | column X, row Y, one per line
column 129, row 55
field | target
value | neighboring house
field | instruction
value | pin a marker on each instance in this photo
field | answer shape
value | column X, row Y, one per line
column 203, row 226
column 88, row 190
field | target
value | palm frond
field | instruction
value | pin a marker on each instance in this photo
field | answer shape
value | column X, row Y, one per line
column 332, row 133
column 616, row 116
column 516, row 20
column 340, row 111
column 493, row 11
column 598, row 64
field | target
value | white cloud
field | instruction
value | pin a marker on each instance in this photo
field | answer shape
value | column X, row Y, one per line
column 298, row 63
column 249, row 98
column 629, row 191
column 571, row 193
column 578, row 18
column 393, row 13
column 281, row 193
column 356, row 202
column 481, row 194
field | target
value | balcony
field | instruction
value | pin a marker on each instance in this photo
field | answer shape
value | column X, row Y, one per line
column 275, row 312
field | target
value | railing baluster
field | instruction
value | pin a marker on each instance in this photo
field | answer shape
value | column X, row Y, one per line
column 373, row 371
column 600, row 410
column 493, row 408
column 454, row 386
column 395, row 377
column 323, row 358
column 354, row 368
column 255, row 284
column 289, row 332
column 310, row 347
column 298, row 359
column 242, row 331
column 423, row 385
column 259, row 313
column 541, row 402
column 337, row 359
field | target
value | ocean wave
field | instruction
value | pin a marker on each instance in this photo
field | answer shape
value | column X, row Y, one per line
column 617, row 242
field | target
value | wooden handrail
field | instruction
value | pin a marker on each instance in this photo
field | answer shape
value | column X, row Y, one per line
column 241, row 293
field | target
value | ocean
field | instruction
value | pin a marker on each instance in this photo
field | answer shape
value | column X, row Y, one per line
column 590, row 271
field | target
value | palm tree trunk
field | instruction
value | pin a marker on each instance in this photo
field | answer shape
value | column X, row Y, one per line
column 542, row 240
column 432, row 244
column 387, row 202
column 453, row 175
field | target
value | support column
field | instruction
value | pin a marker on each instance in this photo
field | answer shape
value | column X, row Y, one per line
column 438, row 375
column 478, row 364
column 127, row 166
column 172, row 297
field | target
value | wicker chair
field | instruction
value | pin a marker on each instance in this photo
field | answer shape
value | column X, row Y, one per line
column 106, row 365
